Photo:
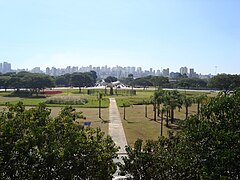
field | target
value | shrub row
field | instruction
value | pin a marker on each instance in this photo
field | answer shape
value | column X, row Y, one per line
column 67, row 100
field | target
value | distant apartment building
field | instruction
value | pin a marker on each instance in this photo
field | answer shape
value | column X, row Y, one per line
column 105, row 71
column 165, row 72
column 48, row 71
column 183, row 70
column 175, row 75
column 192, row 73
column 158, row 73
column 36, row 70
column 5, row 67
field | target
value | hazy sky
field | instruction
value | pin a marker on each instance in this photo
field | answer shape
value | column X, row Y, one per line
column 199, row 34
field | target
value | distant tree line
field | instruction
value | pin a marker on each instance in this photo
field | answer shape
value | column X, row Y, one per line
column 38, row 81
column 225, row 82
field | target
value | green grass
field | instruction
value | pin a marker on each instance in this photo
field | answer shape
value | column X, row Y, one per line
column 92, row 100
column 135, row 99
column 137, row 125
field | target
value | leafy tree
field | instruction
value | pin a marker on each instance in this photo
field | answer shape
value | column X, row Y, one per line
column 37, row 82
column 144, row 82
column 4, row 82
column 63, row 80
column 159, row 81
column 225, row 82
column 93, row 74
column 15, row 82
column 192, row 82
column 110, row 79
column 207, row 148
column 34, row 145
column 81, row 80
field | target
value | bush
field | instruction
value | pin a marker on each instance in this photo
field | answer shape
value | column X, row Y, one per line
column 20, row 94
column 67, row 100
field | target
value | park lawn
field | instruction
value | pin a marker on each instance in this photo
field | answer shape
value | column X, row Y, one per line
column 3, row 93
column 92, row 101
column 137, row 126
column 91, row 115
column 145, row 95
column 139, row 98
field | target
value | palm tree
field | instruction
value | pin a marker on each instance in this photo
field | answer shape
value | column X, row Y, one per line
column 99, row 104
column 167, row 108
column 124, row 109
column 146, row 105
column 159, row 96
column 187, row 103
column 172, row 99
column 157, row 100
column 199, row 100
column 163, row 110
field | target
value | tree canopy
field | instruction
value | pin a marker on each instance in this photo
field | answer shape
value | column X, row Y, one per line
column 110, row 79
column 225, row 82
column 33, row 145
column 208, row 147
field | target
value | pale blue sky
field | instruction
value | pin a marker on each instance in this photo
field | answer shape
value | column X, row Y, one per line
column 198, row 34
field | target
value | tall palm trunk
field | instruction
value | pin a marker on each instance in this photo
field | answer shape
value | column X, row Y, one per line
column 154, row 112
column 186, row 112
column 167, row 118
column 99, row 108
column 146, row 110
column 198, row 108
column 172, row 115
column 161, row 123
column 158, row 109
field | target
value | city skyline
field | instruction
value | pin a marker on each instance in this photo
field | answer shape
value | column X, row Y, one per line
column 200, row 34
column 105, row 71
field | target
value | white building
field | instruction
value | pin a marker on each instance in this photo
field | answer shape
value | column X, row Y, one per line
column 183, row 70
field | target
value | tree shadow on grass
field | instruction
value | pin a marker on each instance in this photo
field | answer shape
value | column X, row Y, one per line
column 176, row 128
column 130, row 122
column 104, row 121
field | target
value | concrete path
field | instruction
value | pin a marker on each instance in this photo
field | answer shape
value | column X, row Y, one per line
column 116, row 130
column 117, row 133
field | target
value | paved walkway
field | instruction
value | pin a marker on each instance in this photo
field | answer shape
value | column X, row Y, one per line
column 116, row 130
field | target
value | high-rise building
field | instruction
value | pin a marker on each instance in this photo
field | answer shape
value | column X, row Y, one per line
column 6, row 67
column 48, row 71
column 1, row 68
column 183, row 70
column 36, row 70
column 165, row 72
column 192, row 74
